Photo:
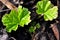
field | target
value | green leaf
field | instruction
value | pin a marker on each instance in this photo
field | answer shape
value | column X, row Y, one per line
column 10, row 20
column 39, row 7
column 24, row 17
column 46, row 8
column 20, row 10
column 14, row 18
column 11, row 27
column 43, row 6
column 51, row 14
column 34, row 27
column 37, row 25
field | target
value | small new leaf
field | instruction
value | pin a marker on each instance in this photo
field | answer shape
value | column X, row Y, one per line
column 14, row 18
column 34, row 27
column 46, row 8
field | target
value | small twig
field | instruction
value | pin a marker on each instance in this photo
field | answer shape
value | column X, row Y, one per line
column 12, row 38
column 57, row 2
column 4, row 10
column 8, row 4
column 55, row 30
column 1, row 5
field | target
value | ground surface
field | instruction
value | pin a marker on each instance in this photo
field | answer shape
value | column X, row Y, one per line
column 43, row 33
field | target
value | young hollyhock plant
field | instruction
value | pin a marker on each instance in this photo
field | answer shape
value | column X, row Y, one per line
column 47, row 9
column 14, row 18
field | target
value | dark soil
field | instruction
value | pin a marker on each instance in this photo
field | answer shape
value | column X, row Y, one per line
column 43, row 33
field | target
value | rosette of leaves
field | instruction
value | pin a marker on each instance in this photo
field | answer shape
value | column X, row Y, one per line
column 47, row 9
column 21, row 17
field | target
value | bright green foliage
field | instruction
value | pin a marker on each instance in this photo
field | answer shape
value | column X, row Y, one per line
column 33, row 28
column 51, row 14
column 14, row 18
column 24, row 16
column 46, row 8
column 10, row 21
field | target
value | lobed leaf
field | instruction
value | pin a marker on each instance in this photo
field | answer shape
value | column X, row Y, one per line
column 46, row 8
column 14, row 18
column 43, row 6
column 51, row 14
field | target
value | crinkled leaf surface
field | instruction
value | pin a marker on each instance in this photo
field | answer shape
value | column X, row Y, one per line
column 45, row 7
column 51, row 14
column 10, row 21
column 14, row 18
column 24, row 17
